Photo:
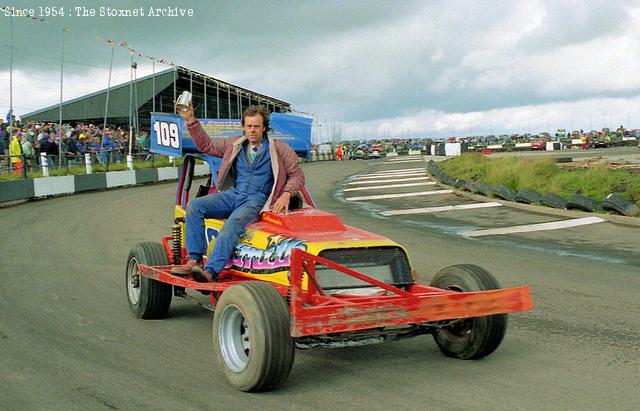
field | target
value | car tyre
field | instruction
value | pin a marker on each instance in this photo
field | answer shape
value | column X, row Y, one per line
column 580, row 202
column 470, row 338
column 459, row 183
column 148, row 299
column 528, row 196
column 504, row 192
column 251, row 337
column 620, row 205
column 484, row 189
column 553, row 200
column 471, row 186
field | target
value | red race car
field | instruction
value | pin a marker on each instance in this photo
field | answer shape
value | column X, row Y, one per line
column 304, row 279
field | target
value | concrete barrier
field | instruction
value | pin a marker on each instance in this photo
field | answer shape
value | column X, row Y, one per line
column 452, row 149
column 167, row 173
column 53, row 185
column 146, row 175
column 24, row 189
column 85, row 182
column 553, row 145
column 201, row 169
column 16, row 190
column 121, row 178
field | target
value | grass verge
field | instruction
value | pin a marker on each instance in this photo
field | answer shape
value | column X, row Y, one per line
column 544, row 175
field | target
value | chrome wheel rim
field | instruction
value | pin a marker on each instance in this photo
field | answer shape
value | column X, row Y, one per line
column 235, row 341
column 133, row 281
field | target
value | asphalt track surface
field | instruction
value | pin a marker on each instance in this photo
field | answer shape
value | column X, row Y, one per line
column 68, row 341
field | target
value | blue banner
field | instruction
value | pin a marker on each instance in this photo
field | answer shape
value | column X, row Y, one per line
column 293, row 130
column 169, row 134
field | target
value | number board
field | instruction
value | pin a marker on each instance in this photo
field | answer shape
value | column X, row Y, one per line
column 166, row 134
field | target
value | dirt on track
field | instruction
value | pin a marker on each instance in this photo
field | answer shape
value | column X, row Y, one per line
column 68, row 340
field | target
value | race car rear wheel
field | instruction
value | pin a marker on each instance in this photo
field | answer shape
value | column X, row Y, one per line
column 251, row 337
column 471, row 338
column 148, row 299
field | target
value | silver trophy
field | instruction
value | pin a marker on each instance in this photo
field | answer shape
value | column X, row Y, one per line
column 183, row 101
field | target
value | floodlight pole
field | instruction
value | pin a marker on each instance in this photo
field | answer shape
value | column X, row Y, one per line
column 130, row 96
column 10, row 92
column 60, row 109
column 153, row 85
column 106, row 104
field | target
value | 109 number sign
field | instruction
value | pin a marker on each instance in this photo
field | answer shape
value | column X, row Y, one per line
column 167, row 134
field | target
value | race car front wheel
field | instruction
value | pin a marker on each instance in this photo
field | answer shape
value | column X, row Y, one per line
column 470, row 338
column 251, row 337
column 148, row 299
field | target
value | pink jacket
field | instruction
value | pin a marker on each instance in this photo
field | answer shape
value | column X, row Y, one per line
column 287, row 174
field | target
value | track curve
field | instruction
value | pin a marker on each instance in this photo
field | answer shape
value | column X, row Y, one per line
column 68, row 340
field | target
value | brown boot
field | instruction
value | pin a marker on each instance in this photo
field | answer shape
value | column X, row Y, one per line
column 184, row 269
column 201, row 275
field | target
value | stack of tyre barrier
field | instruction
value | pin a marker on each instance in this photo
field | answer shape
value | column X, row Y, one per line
column 613, row 203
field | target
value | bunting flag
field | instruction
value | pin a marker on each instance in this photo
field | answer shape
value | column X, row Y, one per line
column 124, row 43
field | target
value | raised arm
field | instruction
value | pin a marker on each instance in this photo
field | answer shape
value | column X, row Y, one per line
column 200, row 137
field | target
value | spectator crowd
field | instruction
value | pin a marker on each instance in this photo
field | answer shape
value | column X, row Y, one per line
column 22, row 145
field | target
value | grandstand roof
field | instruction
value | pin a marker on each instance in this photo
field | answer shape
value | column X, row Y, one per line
column 213, row 98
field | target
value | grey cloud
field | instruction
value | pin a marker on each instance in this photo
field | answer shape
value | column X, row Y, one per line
column 360, row 60
column 574, row 22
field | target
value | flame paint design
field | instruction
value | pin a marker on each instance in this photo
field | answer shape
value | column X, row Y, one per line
column 275, row 258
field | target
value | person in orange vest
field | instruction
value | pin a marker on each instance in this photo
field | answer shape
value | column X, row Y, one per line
column 339, row 153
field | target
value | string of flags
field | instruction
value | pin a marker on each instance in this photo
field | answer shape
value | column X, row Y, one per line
column 124, row 44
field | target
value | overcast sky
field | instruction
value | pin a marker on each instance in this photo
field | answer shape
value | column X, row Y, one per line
column 374, row 68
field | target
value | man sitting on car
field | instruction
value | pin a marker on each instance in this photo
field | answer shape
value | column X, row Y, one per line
column 257, row 173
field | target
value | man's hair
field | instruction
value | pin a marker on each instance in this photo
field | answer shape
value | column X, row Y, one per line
column 255, row 110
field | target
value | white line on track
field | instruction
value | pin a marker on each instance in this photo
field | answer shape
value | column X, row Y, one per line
column 400, row 170
column 404, row 158
column 382, row 196
column 442, row 208
column 393, row 180
column 411, row 174
column 426, row 183
column 534, row 227
column 380, row 173
column 404, row 161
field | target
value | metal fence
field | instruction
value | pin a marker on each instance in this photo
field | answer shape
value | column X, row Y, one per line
column 43, row 165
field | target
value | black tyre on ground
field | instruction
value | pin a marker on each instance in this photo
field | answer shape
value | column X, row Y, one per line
column 553, row 200
column 148, row 299
column 504, row 192
column 459, row 183
column 471, row 186
column 471, row 338
column 448, row 180
column 251, row 337
column 484, row 189
column 528, row 196
column 620, row 205
column 584, row 203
